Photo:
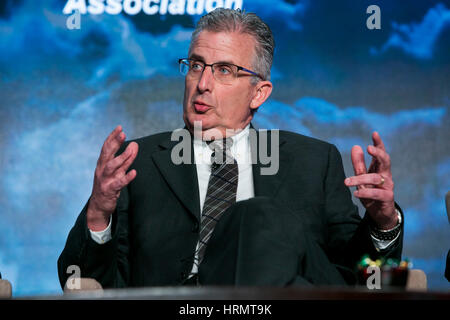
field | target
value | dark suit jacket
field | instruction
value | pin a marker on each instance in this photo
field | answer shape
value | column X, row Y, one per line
column 156, row 224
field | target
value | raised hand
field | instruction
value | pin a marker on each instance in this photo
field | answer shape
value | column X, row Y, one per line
column 109, row 179
column 374, row 187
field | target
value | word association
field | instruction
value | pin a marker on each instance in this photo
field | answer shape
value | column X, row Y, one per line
column 149, row 7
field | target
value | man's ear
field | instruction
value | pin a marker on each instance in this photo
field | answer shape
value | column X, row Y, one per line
column 263, row 89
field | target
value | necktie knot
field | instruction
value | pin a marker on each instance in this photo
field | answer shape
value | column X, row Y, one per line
column 220, row 144
column 221, row 152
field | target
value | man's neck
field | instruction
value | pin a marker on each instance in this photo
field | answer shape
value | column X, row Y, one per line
column 216, row 134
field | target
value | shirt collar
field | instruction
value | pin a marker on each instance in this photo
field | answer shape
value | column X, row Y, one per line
column 237, row 138
column 240, row 144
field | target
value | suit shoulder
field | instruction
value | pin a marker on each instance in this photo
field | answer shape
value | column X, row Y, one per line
column 148, row 143
column 316, row 150
column 304, row 141
column 153, row 139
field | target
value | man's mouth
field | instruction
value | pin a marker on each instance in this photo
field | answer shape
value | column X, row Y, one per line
column 201, row 107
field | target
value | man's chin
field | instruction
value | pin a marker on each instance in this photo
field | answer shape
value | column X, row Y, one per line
column 204, row 130
column 199, row 122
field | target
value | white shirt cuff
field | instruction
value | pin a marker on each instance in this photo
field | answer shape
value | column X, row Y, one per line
column 383, row 244
column 102, row 236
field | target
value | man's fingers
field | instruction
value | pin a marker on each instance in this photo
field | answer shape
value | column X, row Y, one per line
column 375, row 194
column 112, row 144
column 125, row 180
column 123, row 161
column 131, row 151
column 359, row 165
column 381, row 156
column 114, row 133
column 377, row 142
column 119, row 183
column 133, row 148
column 365, row 179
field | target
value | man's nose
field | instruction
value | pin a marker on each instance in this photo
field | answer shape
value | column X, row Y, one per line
column 206, row 81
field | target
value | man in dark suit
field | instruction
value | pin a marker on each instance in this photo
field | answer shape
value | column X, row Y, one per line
column 153, row 221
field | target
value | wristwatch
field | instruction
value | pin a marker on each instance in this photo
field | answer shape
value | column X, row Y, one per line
column 390, row 234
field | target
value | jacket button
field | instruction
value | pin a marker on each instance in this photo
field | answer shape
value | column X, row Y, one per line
column 195, row 227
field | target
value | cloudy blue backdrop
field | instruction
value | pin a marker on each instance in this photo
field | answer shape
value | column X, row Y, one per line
column 62, row 91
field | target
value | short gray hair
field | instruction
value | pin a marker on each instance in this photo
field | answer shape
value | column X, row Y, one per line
column 229, row 20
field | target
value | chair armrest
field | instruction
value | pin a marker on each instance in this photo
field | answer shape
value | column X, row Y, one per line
column 85, row 284
column 417, row 280
column 5, row 289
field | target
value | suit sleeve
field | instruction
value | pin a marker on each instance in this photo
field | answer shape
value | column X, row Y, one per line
column 348, row 235
column 107, row 263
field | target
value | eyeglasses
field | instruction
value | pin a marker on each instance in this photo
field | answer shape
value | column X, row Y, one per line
column 223, row 72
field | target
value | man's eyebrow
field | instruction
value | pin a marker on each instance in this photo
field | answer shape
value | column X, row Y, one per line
column 196, row 57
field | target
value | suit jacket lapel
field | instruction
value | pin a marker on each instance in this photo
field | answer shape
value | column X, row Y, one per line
column 268, row 185
column 181, row 178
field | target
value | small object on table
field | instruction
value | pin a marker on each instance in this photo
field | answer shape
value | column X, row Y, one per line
column 394, row 273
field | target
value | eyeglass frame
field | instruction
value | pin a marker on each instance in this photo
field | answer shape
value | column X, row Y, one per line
column 239, row 68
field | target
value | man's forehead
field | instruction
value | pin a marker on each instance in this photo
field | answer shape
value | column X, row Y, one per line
column 228, row 46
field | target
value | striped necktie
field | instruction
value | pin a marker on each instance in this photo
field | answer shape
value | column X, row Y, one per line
column 221, row 191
